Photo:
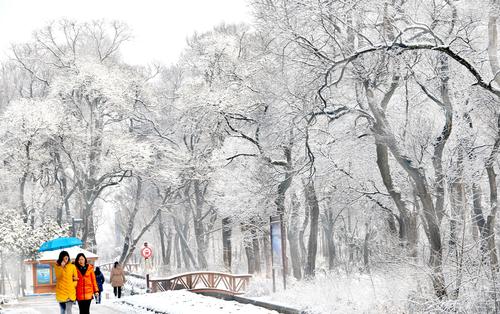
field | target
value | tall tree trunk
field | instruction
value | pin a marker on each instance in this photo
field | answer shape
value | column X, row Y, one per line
column 328, row 222
column 280, row 198
column 187, row 254
column 248, row 245
column 323, row 246
column 250, row 257
column 391, row 223
column 177, row 251
column 349, row 236
column 385, row 173
column 436, row 256
column 168, row 253
column 332, row 254
column 303, row 250
column 165, row 257
column 22, row 185
column 293, row 238
column 477, row 208
column 88, row 235
column 22, row 188
column 131, row 222
column 60, row 177
column 404, row 218
column 226, row 242
column 492, row 183
column 92, row 190
column 412, row 233
column 267, row 254
column 198, row 223
column 432, row 218
column 366, row 248
column 285, row 184
column 59, row 215
column 312, row 245
column 495, row 69
column 457, row 201
column 486, row 226
column 256, row 249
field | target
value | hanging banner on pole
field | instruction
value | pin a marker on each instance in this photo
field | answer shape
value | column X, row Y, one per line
column 277, row 254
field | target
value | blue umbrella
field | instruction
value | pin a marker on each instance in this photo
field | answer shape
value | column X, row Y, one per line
column 60, row 243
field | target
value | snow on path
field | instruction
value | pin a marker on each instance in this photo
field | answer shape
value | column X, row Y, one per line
column 46, row 304
column 184, row 302
column 94, row 309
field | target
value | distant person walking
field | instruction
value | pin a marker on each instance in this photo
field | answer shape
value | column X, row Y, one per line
column 117, row 279
column 66, row 280
column 99, row 277
column 87, row 284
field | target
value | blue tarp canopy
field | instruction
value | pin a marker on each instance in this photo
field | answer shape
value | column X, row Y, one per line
column 60, row 243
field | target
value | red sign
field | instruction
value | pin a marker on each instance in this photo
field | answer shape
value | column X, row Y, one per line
column 146, row 252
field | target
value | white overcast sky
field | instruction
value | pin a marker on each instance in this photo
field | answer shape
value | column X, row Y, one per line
column 160, row 27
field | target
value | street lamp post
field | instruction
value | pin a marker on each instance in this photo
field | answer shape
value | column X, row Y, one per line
column 73, row 226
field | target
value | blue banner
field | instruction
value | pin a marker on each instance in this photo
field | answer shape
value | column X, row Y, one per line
column 276, row 244
column 43, row 274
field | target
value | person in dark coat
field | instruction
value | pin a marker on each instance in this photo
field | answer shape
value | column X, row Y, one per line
column 99, row 277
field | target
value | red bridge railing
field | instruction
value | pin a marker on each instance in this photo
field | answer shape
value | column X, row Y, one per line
column 202, row 281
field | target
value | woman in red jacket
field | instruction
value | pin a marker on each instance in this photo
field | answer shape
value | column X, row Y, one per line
column 87, row 285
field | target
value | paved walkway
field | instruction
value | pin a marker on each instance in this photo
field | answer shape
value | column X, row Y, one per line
column 47, row 305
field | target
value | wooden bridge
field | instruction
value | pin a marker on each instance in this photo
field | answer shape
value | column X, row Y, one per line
column 202, row 281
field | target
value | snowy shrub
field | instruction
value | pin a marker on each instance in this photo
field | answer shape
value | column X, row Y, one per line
column 14, row 226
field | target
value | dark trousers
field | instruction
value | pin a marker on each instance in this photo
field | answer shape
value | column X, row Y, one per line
column 84, row 306
column 117, row 291
column 98, row 298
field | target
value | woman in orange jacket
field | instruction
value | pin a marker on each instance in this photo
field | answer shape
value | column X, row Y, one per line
column 87, row 285
column 66, row 278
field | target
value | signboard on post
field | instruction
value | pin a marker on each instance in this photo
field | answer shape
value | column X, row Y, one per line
column 277, row 248
column 276, row 242
column 43, row 274
column 146, row 251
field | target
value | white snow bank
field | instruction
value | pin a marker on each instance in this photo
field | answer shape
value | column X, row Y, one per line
column 379, row 292
column 182, row 302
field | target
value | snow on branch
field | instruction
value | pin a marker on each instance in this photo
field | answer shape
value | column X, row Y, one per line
column 422, row 46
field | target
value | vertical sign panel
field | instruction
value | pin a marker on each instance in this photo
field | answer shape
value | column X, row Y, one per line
column 43, row 274
column 276, row 244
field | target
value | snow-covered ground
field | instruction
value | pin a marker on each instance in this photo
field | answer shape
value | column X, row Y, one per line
column 47, row 304
column 184, row 302
column 134, row 285
column 379, row 292
column 382, row 291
